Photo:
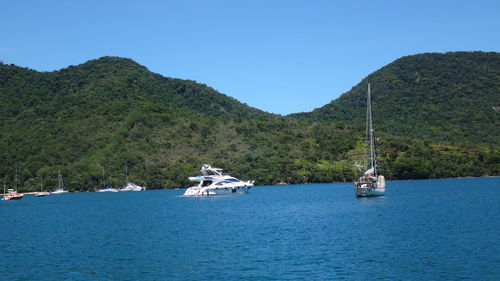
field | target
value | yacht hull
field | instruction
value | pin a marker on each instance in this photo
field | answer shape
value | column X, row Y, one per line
column 369, row 192
column 14, row 197
column 196, row 191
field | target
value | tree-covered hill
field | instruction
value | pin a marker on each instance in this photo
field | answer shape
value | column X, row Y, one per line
column 112, row 79
column 445, row 98
column 111, row 113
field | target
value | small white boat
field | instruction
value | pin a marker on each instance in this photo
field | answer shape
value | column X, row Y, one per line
column 213, row 182
column 41, row 194
column 12, row 195
column 370, row 183
column 108, row 189
column 58, row 191
column 132, row 187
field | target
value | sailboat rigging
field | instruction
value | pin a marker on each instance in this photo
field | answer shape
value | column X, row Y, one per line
column 60, row 189
column 11, row 193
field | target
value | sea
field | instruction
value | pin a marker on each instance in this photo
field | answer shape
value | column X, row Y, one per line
column 447, row 229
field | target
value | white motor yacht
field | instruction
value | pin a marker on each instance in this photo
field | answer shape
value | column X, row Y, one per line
column 213, row 182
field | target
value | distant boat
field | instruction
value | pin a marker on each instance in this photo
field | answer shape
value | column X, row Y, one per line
column 12, row 195
column 213, row 182
column 132, row 187
column 60, row 189
column 108, row 189
column 370, row 183
column 41, row 193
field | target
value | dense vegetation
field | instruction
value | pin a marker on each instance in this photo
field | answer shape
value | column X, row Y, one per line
column 444, row 98
column 112, row 113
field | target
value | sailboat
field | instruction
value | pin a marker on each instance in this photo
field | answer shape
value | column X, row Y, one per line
column 41, row 193
column 130, row 186
column 104, row 187
column 11, row 193
column 60, row 189
column 370, row 183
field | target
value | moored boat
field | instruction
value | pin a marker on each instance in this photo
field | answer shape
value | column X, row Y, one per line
column 213, row 182
column 60, row 189
column 12, row 195
column 370, row 183
column 41, row 194
column 132, row 187
column 108, row 189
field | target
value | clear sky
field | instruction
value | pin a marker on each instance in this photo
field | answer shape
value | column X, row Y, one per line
column 275, row 55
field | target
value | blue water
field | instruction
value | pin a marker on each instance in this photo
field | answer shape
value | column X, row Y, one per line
column 421, row 230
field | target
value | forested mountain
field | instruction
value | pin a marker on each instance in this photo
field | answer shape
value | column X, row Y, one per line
column 450, row 98
column 110, row 80
column 110, row 113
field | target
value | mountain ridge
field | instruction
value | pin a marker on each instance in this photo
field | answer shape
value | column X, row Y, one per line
column 434, row 96
column 104, row 74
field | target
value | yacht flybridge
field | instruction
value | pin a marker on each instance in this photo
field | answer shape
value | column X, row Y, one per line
column 213, row 182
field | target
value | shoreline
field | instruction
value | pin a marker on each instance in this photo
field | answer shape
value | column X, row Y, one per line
column 286, row 184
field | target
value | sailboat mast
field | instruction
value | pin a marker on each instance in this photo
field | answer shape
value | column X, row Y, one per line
column 373, row 162
column 103, row 177
column 367, row 133
column 16, row 178
column 126, row 173
column 59, row 178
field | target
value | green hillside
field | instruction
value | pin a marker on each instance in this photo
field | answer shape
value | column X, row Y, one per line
column 111, row 113
column 445, row 98
column 110, row 80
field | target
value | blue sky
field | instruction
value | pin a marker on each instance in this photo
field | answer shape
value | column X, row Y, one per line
column 278, row 56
